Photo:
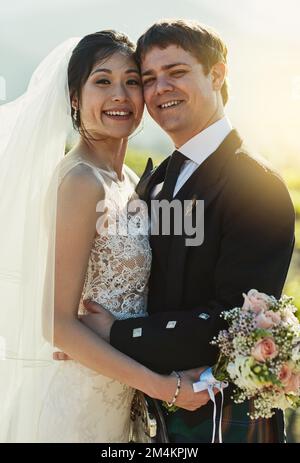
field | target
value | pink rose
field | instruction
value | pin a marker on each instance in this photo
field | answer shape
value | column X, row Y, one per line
column 264, row 349
column 267, row 319
column 290, row 380
column 255, row 301
column 285, row 374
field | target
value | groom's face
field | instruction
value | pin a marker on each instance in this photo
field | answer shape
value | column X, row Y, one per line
column 178, row 94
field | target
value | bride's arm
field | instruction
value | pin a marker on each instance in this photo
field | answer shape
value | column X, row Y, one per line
column 75, row 232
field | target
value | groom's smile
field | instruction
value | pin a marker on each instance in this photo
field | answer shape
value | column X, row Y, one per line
column 170, row 104
column 179, row 96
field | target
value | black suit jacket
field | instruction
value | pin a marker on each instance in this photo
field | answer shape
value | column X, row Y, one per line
column 248, row 242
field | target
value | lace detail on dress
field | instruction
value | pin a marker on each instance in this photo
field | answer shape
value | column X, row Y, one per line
column 120, row 260
column 119, row 264
column 117, row 275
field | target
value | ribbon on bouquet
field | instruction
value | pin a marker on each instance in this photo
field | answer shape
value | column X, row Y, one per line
column 208, row 382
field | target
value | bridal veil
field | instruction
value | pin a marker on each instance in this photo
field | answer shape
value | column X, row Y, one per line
column 33, row 133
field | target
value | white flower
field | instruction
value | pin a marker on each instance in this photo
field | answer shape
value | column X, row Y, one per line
column 241, row 374
column 282, row 402
column 290, row 318
column 296, row 353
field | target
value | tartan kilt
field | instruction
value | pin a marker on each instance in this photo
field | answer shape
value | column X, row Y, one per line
column 237, row 427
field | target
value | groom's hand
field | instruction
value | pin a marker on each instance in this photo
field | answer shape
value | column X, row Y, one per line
column 98, row 320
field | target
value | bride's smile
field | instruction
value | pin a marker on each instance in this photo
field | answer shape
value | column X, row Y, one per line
column 111, row 102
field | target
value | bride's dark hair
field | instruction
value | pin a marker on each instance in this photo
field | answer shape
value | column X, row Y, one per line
column 93, row 48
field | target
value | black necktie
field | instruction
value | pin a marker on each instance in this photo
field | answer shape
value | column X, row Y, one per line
column 172, row 172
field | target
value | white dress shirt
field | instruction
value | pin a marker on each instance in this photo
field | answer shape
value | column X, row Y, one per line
column 198, row 149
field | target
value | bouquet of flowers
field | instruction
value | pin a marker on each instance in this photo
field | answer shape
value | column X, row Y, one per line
column 260, row 353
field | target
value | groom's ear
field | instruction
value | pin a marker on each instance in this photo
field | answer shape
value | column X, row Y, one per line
column 218, row 74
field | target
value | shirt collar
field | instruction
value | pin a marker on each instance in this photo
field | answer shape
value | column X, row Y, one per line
column 202, row 145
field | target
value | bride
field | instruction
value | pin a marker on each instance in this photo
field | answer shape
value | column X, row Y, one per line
column 57, row 250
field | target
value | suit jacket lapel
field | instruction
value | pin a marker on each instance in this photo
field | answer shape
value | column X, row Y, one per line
column 209, row 172
column 204, row 184
column 178, row 253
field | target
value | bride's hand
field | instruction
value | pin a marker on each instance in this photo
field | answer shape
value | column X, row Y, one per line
column 187, row 398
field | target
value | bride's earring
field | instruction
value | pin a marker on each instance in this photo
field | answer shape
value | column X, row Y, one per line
column 75, row 114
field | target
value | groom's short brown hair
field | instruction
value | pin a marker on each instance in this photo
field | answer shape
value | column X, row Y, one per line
column 202, row 42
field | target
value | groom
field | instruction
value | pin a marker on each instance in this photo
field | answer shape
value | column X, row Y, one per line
column 248, row 224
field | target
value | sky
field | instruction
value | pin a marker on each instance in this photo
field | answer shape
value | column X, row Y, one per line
column 264, row 57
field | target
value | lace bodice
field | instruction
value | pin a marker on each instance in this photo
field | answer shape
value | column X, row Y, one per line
column 117, row 274
column 120, row 259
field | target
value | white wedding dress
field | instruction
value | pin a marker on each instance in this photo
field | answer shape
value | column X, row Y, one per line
column 82, row 405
